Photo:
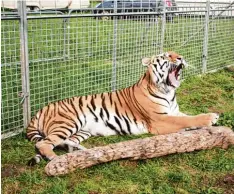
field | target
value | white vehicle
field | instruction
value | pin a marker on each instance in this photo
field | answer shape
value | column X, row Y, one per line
column 37, row 5
column 195, row 5
column 201, row 2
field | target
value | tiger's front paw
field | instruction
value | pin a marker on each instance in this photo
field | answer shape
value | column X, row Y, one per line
column 209, row 119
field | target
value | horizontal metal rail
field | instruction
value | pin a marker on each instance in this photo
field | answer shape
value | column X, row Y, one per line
column 203, row 2
column 11, row 133
column 111, row 14
column 33, row 61
column 101, row 15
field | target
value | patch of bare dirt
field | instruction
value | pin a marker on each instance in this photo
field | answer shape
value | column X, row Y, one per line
column 93, row 192
column 229, row 179
column 231, row 68
column 216, row 110
column 12, row 170
column 129, row 164
column 227, row 183
column 11, row 188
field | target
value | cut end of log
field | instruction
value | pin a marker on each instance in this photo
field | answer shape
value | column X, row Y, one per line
column 150, row 147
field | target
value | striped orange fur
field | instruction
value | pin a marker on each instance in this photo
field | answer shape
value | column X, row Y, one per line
column 148, row 106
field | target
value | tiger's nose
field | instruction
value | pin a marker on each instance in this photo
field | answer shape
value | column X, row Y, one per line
column 184, row 63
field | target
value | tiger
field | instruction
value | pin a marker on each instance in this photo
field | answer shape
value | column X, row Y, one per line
column 148, row 106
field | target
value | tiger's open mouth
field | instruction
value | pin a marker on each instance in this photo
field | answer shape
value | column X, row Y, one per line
column 174, row 75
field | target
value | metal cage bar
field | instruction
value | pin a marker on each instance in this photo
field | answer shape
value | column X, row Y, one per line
column 205, row 42
column 24, row 63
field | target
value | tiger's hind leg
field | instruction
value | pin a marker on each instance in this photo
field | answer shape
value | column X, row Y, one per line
column 75, row 140
column 44, row 148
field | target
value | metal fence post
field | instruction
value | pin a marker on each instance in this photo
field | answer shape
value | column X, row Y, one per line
column 163, row 27
column 24, row 62
column 205, row 40
column 113, row 81
column 66, row 29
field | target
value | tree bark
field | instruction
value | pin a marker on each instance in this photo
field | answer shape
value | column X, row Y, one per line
column 150, row 147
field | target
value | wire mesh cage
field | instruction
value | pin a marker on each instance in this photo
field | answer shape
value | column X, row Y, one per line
column 86, row 50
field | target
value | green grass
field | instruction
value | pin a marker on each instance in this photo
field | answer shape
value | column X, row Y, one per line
column 197, row 172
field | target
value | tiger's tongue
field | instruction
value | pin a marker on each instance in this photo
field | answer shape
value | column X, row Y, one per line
column 173, row 80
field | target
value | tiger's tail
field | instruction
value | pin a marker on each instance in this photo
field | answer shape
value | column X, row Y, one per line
column 33, row 134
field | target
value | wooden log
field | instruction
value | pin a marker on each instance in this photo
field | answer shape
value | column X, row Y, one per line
column 150, row 147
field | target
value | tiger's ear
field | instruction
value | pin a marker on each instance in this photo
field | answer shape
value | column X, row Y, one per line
column 167, row 54
column 146, row 61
